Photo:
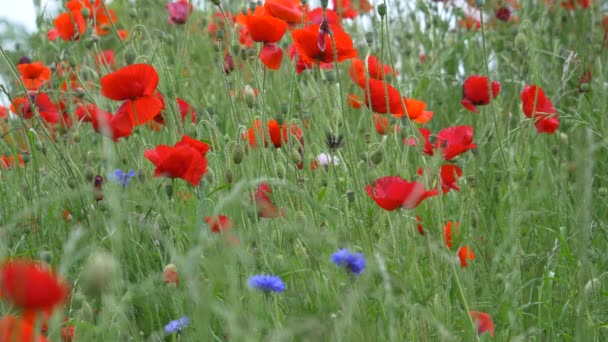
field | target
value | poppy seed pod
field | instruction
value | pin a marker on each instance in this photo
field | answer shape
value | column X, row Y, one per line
column 376, row 157
column 26, row 157
column 382, row 10
column 295, row 156
column 324, row 3
column 521, row 42
column 130, row 55
column 85, row 12
column 237, row 154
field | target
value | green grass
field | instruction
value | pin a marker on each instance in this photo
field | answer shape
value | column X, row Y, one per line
column 532, row 207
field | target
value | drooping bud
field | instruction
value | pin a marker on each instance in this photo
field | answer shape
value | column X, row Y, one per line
column 295, row 156
column 521, row 42
column 249, row 96
column 237, row 154
column 369, row 38
column 130, row 55
column 228, row 176
column 215, row 2
column 280, row 168
column 85, row 12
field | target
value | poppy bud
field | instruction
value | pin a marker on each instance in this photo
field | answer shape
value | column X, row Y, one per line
column 26, row 157
column 215, row 2
column 229, row 176
column 369, row 38
column 521, row 42
column 170, row 275
column 99, row 273
column 252, row 6
column 376, row 157
column 237, row 154
column 279, row 119
column 300, row 216
column 130, row 55
column 219, row 34
column 602, row 191
column 351, row 196
column 133, row 13
column 324, row 3
column 330, row 76
column 72, row 184
column 249, row 96
column 281, row 171
column 235, row 48
column 295, row 156
column 169, row 190
column 88, row 42
column 250, row 52
column 85, row 12
column 141, row 176
column 76, row 138
column 209, row 176
column 382, row 10
column 79, row 92
column 46, row 256
column 284, row 108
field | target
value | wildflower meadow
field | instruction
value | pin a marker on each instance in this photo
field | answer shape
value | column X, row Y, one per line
column 299, row 170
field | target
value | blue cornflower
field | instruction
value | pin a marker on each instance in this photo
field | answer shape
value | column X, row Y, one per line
column 266, row 282
column 177, row 325
column 122, row 177
column 354, row 262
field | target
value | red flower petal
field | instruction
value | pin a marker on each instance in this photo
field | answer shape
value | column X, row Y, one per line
column 272, row 56
column 130, row 82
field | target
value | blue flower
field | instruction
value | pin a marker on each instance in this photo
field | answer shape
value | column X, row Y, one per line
column 266, row 282
column 177, row 325
column 121, row 177
column 354, row 262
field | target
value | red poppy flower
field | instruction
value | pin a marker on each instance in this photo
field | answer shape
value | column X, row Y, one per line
column 178, row 11
column 135, row 84
column 9, row 162
column 452, row 141
column 101, row 120
column 483, row 321
column 464, row 254
column 475, row 92
column 170, row 275
column 383, row 125
column 265, row 207
column 288, row 10
column 584, row 81
column 375, row 70
column 348, row 10
column 537, row 106
column 276, row 134
column 34, row 75
column 30, row 285
column 419, row 225
column 314, row 45
column 449, row 177
column 265, row 28
column 186, row 160
column 185, row 110
column 13, row 329
column 383, row 98
column 47, row 109
column 3, row 112
column 316, row 17
column 447, row 232
column 106, row 58
column 100, row 16
column 301, row 64
column 219, row 223
column 393, row 192
column 70, row 25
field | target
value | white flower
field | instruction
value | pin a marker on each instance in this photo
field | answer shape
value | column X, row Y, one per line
column 325, row 159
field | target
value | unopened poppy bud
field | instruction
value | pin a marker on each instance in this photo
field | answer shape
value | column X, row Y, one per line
column 369, row 38
column 46, row 256
column 99, row 272
column 170, row 275
column 215, row 2
column 235, row 48
column 249, row 97
column 376, row 157
column 85, row 12
column 210, row 176
column 295, row 156
column 88, row 42
column 300, row 216
column 382, row 10
column 237, row 154
column 521, row 42
column 371, row 177
column 141, row 176
column 251, row 53
column 133, row 13
column 324, row 3
column 252, row 6
column 602, row 191
column 219, row 34
column 130, row 55
column 72, row 62
column 229, row 176
column 330, row 76
column 284, row 108
column 280, row 168
column 40, row 147
column 26, row 157
column 72, row 183
column 351, row 196
column 79, row 92
column 279, row 119
column 169, row 190
column 76, row 138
